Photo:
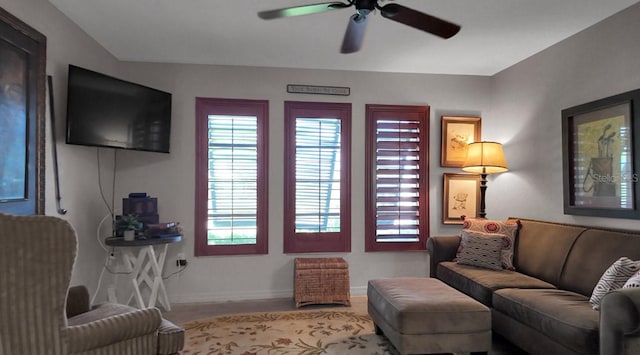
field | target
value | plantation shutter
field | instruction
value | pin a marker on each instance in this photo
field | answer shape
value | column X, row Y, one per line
column 317, row 178
column 397, row 208
column 233, row 180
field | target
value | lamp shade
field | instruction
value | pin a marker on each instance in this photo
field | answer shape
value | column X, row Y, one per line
column 485, row 158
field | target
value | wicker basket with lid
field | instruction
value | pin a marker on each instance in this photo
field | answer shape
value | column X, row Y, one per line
column 321, row 281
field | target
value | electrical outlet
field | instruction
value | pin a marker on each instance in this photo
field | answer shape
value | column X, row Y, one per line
column 181, row 260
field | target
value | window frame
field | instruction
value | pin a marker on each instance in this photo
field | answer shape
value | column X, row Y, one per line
column 323, row 241
column 396, row 112
column 236, row 107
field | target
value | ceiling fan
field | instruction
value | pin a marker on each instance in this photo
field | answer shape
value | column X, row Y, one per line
column 357, row 23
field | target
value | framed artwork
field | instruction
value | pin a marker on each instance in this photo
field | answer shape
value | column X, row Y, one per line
column 461, row 197
column 457, row 133
column 22, row 112
column 599, row 157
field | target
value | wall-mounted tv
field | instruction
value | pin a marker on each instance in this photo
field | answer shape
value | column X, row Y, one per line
column 104, row 111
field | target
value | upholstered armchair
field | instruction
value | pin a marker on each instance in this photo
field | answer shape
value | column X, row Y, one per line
column 40, row 314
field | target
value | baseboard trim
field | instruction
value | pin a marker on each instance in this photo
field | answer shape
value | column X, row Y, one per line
column 244, row 296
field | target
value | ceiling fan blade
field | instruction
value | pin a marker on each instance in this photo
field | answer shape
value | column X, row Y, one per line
column 419, row 20
column 302, row 10
column 355, row 34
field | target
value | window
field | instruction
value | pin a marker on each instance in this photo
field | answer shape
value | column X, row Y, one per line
column 396, row 178
column 317, row 207
column 231, row 177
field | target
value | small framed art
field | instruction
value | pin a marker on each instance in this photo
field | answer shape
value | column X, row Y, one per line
column 461, row 197
column 457, row 133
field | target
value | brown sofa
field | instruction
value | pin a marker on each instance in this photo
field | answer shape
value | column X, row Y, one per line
column 543, row 307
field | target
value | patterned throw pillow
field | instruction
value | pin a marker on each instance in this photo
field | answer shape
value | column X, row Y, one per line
column 614, row 278
column 482, row 251
column 633, row 282
column 508, row 229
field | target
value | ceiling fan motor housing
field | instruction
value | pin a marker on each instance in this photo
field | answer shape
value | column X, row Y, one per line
column 357, row 23
column 366, row 5
column 363, row 8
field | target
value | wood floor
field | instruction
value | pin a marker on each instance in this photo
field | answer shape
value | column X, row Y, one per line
column 183, row 313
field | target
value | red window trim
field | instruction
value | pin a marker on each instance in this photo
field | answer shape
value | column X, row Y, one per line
column 316, row 242
column 260, row 109
column 373, row 112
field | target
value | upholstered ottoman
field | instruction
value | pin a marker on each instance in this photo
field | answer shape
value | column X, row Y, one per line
column 170, row 338
column 321, row 280
column 424, row 315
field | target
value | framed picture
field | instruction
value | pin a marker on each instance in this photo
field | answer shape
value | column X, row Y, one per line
column 457, row 133
column 461, row 197
column 600, row 157
column 22, row 107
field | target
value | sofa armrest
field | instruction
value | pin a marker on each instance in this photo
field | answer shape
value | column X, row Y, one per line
column 441, row 248
column 619, row 321
column 77, row 301
column 110, row 330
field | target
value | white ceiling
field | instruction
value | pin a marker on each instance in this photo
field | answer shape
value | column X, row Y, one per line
column 495, row 33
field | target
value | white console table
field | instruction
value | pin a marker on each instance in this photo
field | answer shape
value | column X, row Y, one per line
column 145, row 262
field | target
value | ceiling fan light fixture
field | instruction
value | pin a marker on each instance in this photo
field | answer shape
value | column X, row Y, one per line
column 354, row 36
column 362, row 14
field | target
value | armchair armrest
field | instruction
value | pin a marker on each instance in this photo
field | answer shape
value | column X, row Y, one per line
column 441, row 248
column 620, row 321
column 113, row 329
column 77, row 301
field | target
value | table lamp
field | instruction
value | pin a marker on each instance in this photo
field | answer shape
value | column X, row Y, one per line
column 484, row 158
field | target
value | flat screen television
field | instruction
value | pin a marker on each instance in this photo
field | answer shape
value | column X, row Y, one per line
column 104, row 111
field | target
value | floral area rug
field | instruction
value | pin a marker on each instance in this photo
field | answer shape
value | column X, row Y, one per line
column 283, row 333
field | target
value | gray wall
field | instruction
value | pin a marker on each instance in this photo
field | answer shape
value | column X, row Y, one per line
column 598, row 62
column 519, row 106
column 272, row 275
column 68, row 44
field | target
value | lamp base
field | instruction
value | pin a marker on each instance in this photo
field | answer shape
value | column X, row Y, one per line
column 483, row 191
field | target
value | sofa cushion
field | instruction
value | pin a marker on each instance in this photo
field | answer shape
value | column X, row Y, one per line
column 101, row 311
column 479, row 283
column 507, row 229
column 592, row 254
column 613, row 278
column 542, row 248
column 481, row 250
column 564, row 316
